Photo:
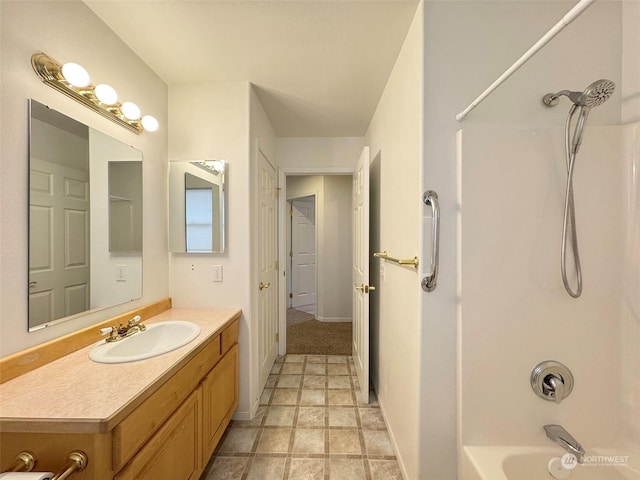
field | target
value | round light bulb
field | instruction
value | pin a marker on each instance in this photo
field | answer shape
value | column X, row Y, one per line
column 149, row 123
column 106, row 94
column 75, row 74
column 130, row 110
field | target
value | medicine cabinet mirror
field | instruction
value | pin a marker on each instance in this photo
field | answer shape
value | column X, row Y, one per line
column 85, row 219
column 197, row 205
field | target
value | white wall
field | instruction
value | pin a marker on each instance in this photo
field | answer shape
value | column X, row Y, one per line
column 337, row 249
column 326, row 153
column 333, row 251
column 211, row 120
column 394, row 137
column 22, row 34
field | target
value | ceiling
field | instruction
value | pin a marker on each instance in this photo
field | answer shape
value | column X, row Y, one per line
column 319, row 67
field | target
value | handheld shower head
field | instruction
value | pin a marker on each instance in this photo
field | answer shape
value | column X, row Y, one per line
column 597, row 93
column 594, row 95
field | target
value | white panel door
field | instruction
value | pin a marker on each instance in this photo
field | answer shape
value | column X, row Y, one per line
column 59, row 242
column 267, row 275
column 361, row 287
column 303, row 252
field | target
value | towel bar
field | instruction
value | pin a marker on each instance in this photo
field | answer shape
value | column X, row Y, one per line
column 400, row 261
column 77, row 461
column 25, row 462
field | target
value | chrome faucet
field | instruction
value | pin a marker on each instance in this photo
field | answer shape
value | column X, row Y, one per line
column 558, row 434
column 118, row 332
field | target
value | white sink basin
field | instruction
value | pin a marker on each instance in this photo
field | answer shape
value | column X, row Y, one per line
column 158, row 338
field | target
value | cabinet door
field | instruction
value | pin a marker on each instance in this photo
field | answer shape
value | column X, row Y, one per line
column 174, row 452
column 220, row 399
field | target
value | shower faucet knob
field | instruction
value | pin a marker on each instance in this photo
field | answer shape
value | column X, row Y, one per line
column 552, row 381
column 555, row 387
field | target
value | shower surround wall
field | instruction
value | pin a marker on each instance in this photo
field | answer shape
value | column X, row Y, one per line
column 514, row 311
column 630, row 318
column 467, row 45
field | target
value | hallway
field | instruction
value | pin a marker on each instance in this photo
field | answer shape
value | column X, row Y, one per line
column 310, row 425
column 308, row 336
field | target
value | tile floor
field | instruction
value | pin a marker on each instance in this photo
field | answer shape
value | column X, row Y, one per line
column 311, row 425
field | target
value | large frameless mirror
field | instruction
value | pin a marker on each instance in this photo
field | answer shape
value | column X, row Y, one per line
column 85, row 219
column 197, row 196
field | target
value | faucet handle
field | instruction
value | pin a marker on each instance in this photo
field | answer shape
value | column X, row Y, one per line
column 134, row 321
column 106, row 331
column 556, row 387
column 112, row 333
column 552, row 381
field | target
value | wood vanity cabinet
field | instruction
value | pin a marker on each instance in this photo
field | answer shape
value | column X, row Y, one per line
column 170, row 435
column 180, row 449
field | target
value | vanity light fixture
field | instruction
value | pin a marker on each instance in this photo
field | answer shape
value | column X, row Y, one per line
column 216, row 166
column 73, row 80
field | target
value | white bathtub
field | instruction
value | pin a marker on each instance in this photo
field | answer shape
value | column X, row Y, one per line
column 531, row 463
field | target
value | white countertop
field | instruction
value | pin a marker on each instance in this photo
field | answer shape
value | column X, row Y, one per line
column 75, row 394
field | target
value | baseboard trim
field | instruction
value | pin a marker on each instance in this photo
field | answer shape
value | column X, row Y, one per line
column 334, row 319
column 242, row 416
column 392, row 438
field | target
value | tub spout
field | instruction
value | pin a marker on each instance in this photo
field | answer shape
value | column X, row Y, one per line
column 558, row 434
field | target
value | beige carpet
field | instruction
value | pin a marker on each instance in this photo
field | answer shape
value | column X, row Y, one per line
column 306, row 335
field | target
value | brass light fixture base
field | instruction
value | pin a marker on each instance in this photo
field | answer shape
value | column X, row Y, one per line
column 50, row 73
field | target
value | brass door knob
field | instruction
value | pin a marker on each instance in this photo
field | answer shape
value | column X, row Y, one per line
column 262, row 286
column 365, row 288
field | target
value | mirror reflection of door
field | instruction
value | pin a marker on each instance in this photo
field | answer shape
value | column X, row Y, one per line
column 303, row 254
column 59, row 241
column 202, row 213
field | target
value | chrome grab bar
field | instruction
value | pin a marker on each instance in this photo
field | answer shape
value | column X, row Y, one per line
column 429, row 282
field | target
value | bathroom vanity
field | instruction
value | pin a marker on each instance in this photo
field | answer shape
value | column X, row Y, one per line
column 158, row 418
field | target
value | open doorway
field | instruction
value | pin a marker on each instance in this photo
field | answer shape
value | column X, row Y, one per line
column 318, row 276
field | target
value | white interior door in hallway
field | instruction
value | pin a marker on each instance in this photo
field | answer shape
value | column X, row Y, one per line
column 361, row 287
column 267, row 274
column 303, row 253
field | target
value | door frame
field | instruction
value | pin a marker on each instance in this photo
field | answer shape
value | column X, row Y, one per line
column 283, row 212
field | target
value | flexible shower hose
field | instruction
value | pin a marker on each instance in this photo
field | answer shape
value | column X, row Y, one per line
column 569, row 222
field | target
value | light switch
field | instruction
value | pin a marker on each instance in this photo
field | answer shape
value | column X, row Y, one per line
column 217, row 273
column 121, row 273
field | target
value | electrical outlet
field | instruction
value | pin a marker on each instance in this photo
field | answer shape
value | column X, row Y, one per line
column 121, row 273
column 217, row 273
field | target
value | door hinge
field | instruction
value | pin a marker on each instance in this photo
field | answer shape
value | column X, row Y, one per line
column 277, row 265
column 291, row 212
column 277, row 192
column 277, row 336
column 291, row 254
column 291, row 295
